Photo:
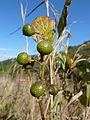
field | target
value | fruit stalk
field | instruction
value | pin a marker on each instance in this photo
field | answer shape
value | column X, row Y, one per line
column 51, row 78
column 43, row 69
column 55, row 46
column 41, row 109
column 47, row 7
column 26, row 44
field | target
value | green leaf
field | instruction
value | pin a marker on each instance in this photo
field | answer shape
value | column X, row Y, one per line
column 88, row 91
column 59, row 98
column 85, row 98
column 70, row 61
column 62, row 59
column 63, row 19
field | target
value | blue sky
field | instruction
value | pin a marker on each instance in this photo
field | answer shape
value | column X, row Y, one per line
column 10, row 19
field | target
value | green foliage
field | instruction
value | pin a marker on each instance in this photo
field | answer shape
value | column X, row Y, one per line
column 5, row 65
column 60, row 76
column 84, row 51
column 8, row 106
column 85, row 98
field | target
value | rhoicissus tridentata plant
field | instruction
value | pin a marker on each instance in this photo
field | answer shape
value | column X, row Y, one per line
column 42, row 29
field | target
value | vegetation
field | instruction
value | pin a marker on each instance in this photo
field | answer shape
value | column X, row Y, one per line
column 83, row 52
column 55, row 85
column 76, row 81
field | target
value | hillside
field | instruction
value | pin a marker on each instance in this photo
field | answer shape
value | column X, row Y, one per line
column 16, row 100
column 83, row 50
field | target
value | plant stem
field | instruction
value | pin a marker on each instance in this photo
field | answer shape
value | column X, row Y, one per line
column 41, row 109
column 23, row 13
column 47, row 107
column 51, row 78
column 43, row 70
column 56, row 45
column 47, row 7
column 27, row 44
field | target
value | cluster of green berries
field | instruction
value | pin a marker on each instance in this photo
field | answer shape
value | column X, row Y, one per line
column 39, row 88
column 44, row 48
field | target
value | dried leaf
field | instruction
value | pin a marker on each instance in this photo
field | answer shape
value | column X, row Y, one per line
column 75, row 98
column 70, row 61
column 59, row 98
column 63, row 18
column 62, row 59
column 44, row 28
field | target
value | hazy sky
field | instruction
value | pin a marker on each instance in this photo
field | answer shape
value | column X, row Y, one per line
column 10, row 19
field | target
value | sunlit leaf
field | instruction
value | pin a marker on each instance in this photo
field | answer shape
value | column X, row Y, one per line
column 70, row 61
column 88, row 91
column 59, row 98
column 63, row 19
column 75, row 97
column 62, row 59
column 44, row 28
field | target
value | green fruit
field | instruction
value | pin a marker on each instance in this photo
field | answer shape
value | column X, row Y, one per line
column 38, row 89
column 30, row 63
column 27, row 66
column 44, row 47
column 22, row 58
column 27, row 30
column 53, row 89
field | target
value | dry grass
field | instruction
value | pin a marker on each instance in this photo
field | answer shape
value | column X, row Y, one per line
column 16, row 102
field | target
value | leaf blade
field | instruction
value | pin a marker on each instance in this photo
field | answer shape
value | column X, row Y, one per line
column 63, row 19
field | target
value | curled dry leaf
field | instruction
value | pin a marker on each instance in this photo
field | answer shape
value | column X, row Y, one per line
column 70, row 61
column 63, row 19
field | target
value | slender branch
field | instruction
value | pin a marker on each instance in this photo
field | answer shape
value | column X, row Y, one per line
column 28, row 16
column 35, row 8
column 41, row 109
column 55, row 46
column 51, row 70
column 51, row 80
column 26, row 44
column 47, row 107
column 47, row 7
column 23, row 13
column 54, row 11
column 78, row 51
column 43, row 70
